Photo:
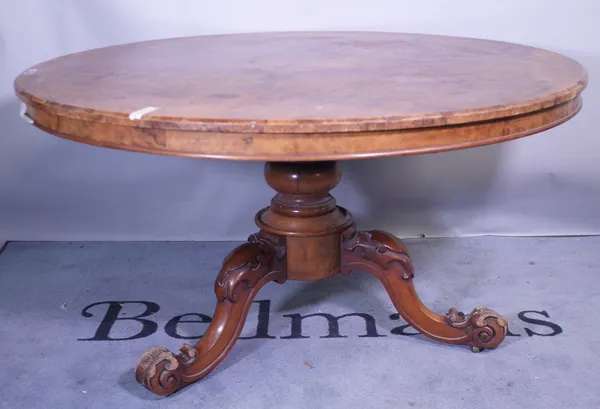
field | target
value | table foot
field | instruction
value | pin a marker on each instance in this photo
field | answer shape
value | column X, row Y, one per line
column 245, row 270
column 384, row 256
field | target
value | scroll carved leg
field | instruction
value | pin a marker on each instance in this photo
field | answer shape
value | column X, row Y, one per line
column 386, row 257
column 245, row 270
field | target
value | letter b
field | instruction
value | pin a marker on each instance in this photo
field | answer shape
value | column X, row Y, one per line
column 149, row 327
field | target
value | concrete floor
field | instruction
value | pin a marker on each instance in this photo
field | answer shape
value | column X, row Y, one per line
column 55, row 354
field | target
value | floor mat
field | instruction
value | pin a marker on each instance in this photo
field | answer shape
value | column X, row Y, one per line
column 69, row 337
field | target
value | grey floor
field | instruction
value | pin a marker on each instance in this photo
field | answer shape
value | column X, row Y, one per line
column 548, row 288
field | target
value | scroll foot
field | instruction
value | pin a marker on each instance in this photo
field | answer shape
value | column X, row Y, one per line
column 487, row 328
column 159, row 370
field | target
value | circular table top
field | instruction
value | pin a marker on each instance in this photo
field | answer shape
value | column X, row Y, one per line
column 302, row 96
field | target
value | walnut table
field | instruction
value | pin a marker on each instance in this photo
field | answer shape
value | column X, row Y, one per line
column 301, row 102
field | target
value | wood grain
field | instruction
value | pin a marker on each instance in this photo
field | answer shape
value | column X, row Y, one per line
column 303, row 96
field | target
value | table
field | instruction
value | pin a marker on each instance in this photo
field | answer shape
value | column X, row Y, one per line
column 301, row 102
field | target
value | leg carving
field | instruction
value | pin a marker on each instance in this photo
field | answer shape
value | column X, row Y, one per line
column 487, row 327
column 385, row 256
column 245, row 270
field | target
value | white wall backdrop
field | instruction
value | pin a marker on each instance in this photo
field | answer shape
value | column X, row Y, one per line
column 52, row 189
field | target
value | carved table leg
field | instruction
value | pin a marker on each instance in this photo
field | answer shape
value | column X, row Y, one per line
column 384, row 256
column 245, row 270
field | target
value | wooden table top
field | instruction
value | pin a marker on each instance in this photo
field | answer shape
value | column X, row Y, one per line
column 302, row 96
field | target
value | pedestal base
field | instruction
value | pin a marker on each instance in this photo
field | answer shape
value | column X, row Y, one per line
column 304, row 235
